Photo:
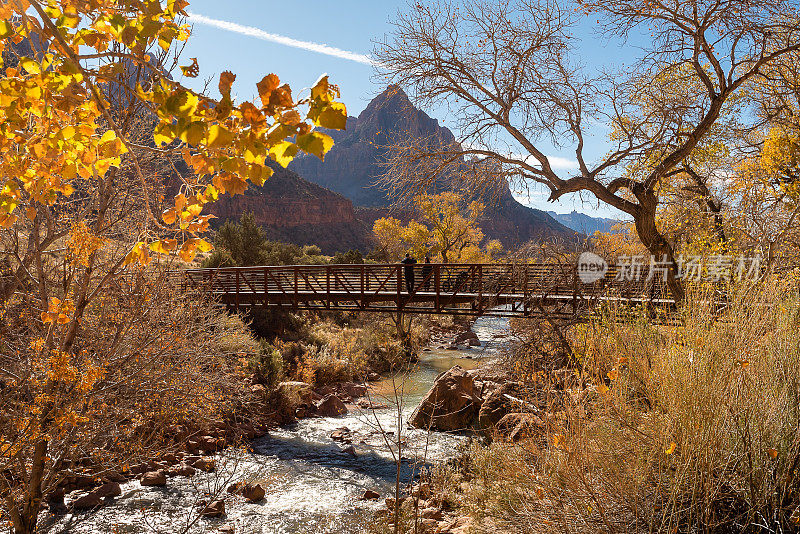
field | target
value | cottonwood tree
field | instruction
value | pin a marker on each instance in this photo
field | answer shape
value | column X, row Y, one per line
column 508, row 72
column 448, row 227
column 98, row 349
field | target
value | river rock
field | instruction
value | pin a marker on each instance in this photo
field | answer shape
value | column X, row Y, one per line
column 214, row 509
column 210, row 444
column 370, row 495
column 342, row 434
column 428, row 525
column 496, row 405
column 205, row 464
column 87, row 502
column 464, row 337
column 350, row 450
column 227, row 529
column 367, row 404
column 353, row 390
column 114, row 476
column 251, row 492
column 451, row 404
column 154, row 478
column 109, row 489
column 181, row 470
column 331, row 406
column 459, row 525
column 170, row 458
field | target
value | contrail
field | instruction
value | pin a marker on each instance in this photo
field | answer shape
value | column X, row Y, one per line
column 258, row 33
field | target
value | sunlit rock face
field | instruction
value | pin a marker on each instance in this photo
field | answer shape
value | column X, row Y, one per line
column 294, row 210
column 351, row 168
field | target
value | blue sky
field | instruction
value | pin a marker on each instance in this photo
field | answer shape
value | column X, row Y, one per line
column 352, row 27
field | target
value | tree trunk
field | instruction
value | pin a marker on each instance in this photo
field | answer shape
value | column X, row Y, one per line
column 25, row 514
column 656, row 244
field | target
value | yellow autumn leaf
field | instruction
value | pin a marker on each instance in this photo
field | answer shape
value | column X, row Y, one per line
column 211, row 193
column 773, row 453
column 188, row 251
column 602, row 389
column 165, row 246
column 669, row 450
column 332, row 115
column 194, row 209
column 6, row 29
column 203, row 245
column 613, row 374
column 226, row 79
column 316, row 143
column 231, row 183
column 170, row 215
column 268, row 83
column 31, row 66
column 283, row 152
column 219, row 136
column 321, row 89
column 191, row 71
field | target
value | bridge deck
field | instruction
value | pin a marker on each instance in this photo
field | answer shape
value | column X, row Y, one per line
column 459, row 289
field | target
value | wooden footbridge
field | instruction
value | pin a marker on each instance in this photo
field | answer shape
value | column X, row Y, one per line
column 512, row 289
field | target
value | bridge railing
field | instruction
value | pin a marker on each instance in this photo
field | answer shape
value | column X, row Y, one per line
column 433, row 288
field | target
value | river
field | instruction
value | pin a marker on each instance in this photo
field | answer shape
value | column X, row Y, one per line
column 313, row 483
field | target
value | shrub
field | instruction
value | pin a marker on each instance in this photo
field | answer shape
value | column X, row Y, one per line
column 692, row 428
column 267, row 365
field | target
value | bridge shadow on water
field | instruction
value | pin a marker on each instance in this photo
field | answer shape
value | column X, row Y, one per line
column 299, row 452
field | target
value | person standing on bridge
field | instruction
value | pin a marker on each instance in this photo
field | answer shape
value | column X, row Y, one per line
column 427, row 268
column 408, row 272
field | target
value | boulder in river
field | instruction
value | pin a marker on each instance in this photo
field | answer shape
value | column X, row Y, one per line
column 154, row 478
column 87, row 502
column 342, row 434
column 213, row 509
column 466, row 337
column 370, row 495
column 353, row 390
column 251, row 492
column 451, row 404
column 181, row 470
column 331, row 406
column 205, row 464
column 109, row 489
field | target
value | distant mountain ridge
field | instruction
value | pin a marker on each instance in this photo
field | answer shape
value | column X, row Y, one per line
column 354, row 163
column 585, row 224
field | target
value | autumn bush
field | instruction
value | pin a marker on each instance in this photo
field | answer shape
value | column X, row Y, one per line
column 691, row 428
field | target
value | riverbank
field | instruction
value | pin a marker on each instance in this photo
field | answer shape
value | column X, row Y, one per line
column 312, row 481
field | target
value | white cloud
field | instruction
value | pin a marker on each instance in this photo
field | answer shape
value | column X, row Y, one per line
column 562, row 164
column 557, row 163
column 258, row 33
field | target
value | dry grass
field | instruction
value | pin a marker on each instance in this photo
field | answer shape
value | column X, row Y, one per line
column 686, row 429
